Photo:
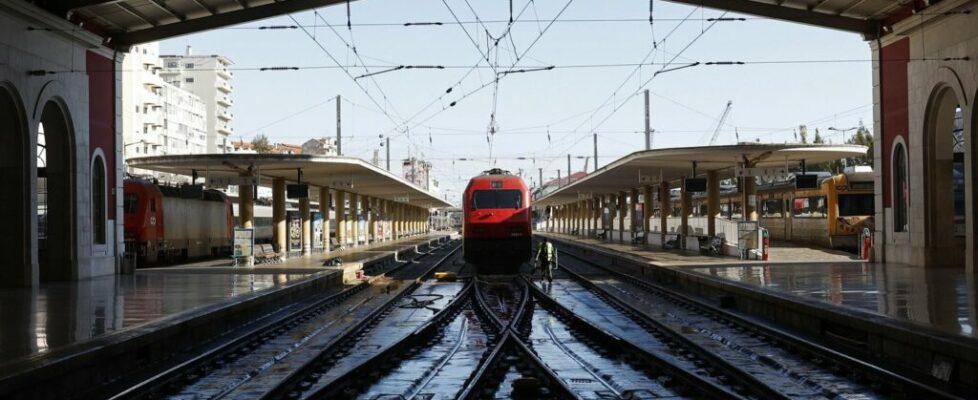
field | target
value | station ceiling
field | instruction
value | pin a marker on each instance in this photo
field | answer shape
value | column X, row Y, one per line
column 652, row 166
column 351, row 175
column 129, row 22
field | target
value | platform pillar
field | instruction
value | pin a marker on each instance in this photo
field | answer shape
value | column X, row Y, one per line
column 339, row 201
column 580, row 217
column 246, row 211
column 278, row 214
column 631, row 214
column 324, row 201
column 622, row 206
column 684, row 205
column 306, row 225
column 647, row 211
column 370, row 213
column 355, row 217
column 712, row 202
column 664, row 210
column 749, row 199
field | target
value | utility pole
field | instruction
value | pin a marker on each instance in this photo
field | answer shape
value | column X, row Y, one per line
column 388, row 154
column 558, row 178
column 568, row 169
column 595, row 151
column 648, row 128
column 541, row 177
column 339, row 139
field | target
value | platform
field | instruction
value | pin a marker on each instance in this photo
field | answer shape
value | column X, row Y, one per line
column 922, row 318
column 59, row 320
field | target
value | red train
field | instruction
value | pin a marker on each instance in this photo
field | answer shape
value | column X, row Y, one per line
column 168, row 224
column 496, row 225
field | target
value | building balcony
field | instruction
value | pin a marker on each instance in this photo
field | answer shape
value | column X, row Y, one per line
column 224, row 101
column 152, row 86
column 225, row 130
column 223, row 72
column 224, row 87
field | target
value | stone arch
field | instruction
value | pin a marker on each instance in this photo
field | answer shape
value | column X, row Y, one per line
column 56, row 188
column 945, row 178
column 900, row 185
column 99, row 198
column 15, row 172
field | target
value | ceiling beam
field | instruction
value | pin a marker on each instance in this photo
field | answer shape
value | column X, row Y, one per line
column 864, row 27
column 217, row 21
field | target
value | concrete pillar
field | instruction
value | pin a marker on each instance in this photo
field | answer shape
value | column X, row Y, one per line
column 278, row 215
column 712, row 202
column 588, row 216
column 339, row 202
column 306, row 217
column 246, row 211
column 631, row 213
column 684, row 206
column 324, row 201
column 749, row 199
column 647, row 212
column 355, row 217
column 370, row 213
column 622, row 207
column 580, row 218
column 665, row 208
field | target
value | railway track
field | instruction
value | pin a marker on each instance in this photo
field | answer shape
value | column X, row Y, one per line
column 786, row 366
column 243, row 367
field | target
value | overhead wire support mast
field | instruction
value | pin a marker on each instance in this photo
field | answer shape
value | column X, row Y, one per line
column 723, row 118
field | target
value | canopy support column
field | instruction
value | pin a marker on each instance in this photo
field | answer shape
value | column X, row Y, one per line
column 664, row 210
column 306, row 225
column 324, row 208
column 621, row 216
column 278, row 215
column 647, row 212
column 246, row 211
column 339, row 199
column 684, row 206
column 355, row 217
column 712, row 202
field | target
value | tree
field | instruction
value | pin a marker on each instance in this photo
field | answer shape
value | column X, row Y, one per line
column 260, row 144
column 863, row 137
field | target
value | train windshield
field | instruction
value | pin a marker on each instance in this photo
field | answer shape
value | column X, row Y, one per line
column 851, row 205
column 482, row 199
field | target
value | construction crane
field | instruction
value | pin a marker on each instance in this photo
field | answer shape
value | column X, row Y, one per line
column 723, row 118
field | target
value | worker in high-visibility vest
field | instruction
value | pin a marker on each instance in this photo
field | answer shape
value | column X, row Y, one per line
column 547, row 259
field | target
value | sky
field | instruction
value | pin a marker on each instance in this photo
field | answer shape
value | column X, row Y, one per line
column 793, row 74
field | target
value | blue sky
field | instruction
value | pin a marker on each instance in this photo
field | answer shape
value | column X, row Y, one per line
column 769, row 99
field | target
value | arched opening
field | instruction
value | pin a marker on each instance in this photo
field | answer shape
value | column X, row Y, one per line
column 98, row 201
column 15, row 197
column 55, row 195
column 946, row 179
column 900, row 188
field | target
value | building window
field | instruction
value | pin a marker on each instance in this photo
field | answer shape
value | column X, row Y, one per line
column 171, row 64
column 98, row 201
column 189, row 65
column 189, row 80
column 901, row 192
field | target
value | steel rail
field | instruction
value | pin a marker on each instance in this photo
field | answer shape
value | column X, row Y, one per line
column 415, row 339
column 897, row 383
column 510, row 343
column 691, row 380
column 249, row 338
column 350, row 334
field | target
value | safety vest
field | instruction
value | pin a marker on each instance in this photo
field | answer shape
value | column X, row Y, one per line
column 546, row 252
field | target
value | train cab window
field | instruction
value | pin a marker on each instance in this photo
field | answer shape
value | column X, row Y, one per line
column 809, row 207
column 856, row 204
column 482, row 199
column 129, row 203
column 152, row 205
column 772, row 208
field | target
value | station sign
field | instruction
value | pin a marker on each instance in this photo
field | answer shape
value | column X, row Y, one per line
column 225, row 181
column 585, row 196
column 768, row 172
column 402, row 199
column 645, row 179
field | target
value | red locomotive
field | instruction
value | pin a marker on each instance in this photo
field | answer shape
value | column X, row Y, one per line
column 167, row 224
column 496, row 228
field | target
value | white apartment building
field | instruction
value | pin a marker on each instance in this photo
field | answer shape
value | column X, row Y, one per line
column 418, row 172
column 324, row 146
column 158, row 118
column 208, row 77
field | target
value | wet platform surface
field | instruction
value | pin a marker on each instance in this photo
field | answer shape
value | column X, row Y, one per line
column 937, row 297
column 58, row 314
column 61, row 313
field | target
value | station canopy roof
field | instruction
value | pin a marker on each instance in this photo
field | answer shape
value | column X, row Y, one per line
column 347, row 174
column 653, row 166
column 129, row 22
